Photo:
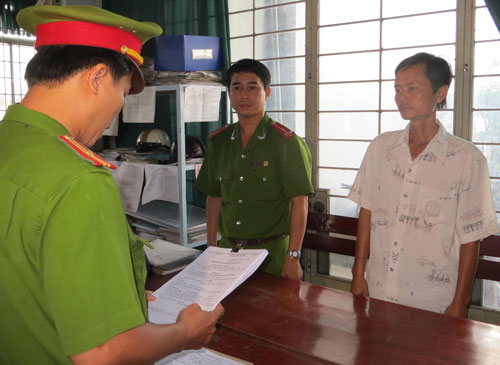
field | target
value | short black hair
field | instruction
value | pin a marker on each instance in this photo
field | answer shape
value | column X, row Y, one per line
column 54, row 64
column 249, row 65
column 436, row 69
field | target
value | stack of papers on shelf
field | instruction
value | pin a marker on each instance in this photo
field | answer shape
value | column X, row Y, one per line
column 196, row 77
column 193, row 235
column 152, row 157
column 153, row 77
column 162, row 218
column 167, row 257
column 166, row 214
column 146, row 227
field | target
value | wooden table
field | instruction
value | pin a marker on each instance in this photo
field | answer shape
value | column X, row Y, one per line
column 272, row 320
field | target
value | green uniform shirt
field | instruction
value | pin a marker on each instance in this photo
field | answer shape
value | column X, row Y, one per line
column 256, row 182
column 72, row 272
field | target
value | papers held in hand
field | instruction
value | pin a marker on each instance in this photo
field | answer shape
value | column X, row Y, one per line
column 167, row 256
column 206, row 281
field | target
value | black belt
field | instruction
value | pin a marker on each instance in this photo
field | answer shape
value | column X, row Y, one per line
column 254, row 241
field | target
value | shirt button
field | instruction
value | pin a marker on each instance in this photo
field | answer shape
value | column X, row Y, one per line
column 395, row 243
column 238, row 223
column 242, row 178
column 240, row 201
column 405, row 195
column 409, row 170
column 391, row 269
column 220, row 178
column 243, row 156
column 264, row 178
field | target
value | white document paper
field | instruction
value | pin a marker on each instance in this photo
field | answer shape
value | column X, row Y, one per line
column 161, row 183
column 201, row 103
column 129, row 178
column 202, row 356
column 140, row 108
column 206, row 281
column 114, row 172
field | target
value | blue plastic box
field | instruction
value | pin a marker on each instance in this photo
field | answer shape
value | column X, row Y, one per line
column 188, row 53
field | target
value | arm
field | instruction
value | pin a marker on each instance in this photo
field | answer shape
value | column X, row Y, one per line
column 149, row 342
column 467, row 265
column 298, row 219
column 213, row 211
column 359, row 284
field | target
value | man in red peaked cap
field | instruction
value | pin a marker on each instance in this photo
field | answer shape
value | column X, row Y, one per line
column 72, row 273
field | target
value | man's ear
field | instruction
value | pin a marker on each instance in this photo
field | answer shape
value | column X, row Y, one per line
column 268, row 92
column 441, row 93
column 96, row 76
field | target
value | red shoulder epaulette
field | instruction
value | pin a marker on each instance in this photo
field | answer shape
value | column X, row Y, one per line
column 281, row 129
column 85, row 153
column 217, row 131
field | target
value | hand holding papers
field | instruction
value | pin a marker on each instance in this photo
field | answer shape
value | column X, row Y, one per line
column 206, row 281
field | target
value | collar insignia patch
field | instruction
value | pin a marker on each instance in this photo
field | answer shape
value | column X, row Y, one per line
column 281, row 129
column 85, row 153
column 217, row 131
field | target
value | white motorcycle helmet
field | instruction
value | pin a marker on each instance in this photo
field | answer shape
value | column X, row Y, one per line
column 150, row 139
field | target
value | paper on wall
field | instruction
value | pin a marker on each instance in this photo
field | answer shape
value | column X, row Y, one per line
column 201, row 103
column 161, row 183
column 129, row 178
column 140, row 108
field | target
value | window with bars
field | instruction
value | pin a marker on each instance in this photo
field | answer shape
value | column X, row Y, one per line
column 15, row 53
column 347, row 67
column 360, row 45
column 273, row 32
column 485, row 106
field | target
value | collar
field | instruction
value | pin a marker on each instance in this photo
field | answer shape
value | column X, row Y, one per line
column 30, row 117
column 260, row 133
column 435, row 149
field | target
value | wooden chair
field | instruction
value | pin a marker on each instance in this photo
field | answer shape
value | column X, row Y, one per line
column 489, row 267
column 320, row 226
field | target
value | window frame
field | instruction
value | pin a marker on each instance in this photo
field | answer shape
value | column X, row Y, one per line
column 14, row 40
column 463, row 94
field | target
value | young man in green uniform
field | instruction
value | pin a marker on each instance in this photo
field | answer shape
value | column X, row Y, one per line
column 72, row 273
column 257, row 177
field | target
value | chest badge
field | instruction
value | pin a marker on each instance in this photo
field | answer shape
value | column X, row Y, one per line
column 259, row 164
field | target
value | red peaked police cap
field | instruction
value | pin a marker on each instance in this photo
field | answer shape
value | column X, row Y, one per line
column 90, row 26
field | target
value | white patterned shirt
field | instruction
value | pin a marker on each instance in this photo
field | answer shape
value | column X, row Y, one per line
column 421, row 212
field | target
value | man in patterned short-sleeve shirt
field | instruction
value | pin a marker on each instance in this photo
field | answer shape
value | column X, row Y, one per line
column 425, row 201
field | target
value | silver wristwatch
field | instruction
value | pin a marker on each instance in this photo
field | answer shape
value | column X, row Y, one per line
column 295, row 254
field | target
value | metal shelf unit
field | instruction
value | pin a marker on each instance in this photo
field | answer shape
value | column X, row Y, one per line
column 179, row 90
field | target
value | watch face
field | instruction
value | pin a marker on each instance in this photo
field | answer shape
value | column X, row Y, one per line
column 295, row 254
